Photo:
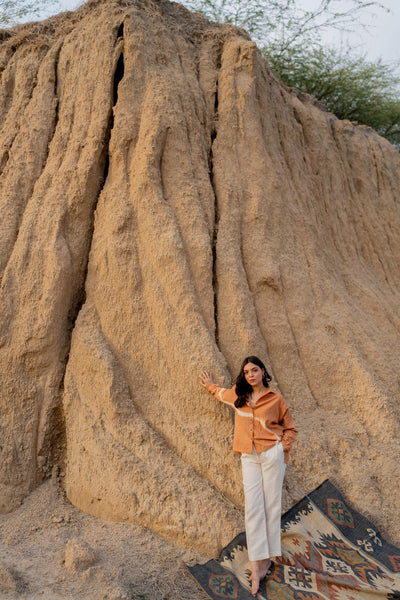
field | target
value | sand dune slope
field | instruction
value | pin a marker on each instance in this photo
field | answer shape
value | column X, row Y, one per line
column 167, row 205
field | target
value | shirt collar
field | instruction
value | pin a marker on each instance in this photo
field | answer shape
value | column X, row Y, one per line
column 267, row 391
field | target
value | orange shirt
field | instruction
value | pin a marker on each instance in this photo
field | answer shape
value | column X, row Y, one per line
column 262, row 425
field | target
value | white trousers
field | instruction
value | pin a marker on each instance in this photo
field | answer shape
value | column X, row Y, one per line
column 262, row 482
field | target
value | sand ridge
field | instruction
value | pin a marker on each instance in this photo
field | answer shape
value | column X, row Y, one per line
column 167, row 206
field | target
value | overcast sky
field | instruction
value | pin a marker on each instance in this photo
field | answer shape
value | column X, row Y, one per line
column 382, row 40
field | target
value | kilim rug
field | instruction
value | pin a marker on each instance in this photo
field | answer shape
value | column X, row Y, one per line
column 329, row 552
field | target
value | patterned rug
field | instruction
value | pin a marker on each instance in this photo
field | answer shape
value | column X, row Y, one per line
column 329, row 552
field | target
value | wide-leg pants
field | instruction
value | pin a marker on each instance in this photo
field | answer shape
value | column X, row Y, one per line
column 263, row 475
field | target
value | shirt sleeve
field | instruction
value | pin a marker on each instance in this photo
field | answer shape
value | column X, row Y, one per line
column 227, row 396
column 289, row 429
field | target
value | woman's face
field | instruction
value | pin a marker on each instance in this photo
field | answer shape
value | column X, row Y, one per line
column 253, row 374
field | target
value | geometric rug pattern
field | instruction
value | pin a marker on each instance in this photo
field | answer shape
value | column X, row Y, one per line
column 329, row 552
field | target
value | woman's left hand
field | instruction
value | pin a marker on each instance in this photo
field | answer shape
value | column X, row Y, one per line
column 285, row 445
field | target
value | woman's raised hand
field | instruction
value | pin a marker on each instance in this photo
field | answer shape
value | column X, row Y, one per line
column 205, row 379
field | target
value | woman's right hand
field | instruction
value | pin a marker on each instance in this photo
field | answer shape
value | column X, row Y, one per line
column 205, row 379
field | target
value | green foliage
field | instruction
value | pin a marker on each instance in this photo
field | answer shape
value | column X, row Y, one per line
column 13, row 11
column 290, row 38
column 350, row 86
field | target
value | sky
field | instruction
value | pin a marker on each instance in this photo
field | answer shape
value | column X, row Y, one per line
column 381, row 38
column 380, row 41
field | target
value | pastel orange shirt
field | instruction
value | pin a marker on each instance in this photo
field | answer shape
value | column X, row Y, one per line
column 262, row 425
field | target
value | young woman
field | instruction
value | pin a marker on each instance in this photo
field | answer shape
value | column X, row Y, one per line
column 264, row 433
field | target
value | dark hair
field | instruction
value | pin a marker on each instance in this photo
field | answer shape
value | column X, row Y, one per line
column 242, row 388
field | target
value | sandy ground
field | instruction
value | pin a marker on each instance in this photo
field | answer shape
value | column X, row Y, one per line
column 51, row 550
column 169, row 206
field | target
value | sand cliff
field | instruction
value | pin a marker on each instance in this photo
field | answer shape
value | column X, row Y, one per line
column 167, row 205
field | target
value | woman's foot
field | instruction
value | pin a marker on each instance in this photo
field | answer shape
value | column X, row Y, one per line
column 259, row 569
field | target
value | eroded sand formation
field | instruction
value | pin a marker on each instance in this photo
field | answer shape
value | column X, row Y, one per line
column 167, row 205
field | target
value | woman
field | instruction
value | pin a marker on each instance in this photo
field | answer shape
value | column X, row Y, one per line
column 264, row 433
